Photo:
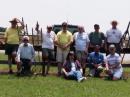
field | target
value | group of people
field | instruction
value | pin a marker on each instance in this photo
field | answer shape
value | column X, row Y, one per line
column 71, row 64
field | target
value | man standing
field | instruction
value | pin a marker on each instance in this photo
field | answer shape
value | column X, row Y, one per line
column 63, row 42
column 25, row 56
column 96, row 38
column 81, row 46
column 48, row 48
column 12, row 40
column 113, row 36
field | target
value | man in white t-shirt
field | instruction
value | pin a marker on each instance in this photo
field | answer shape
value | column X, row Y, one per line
column 114, row 68
column 113, row 36
column 48, row 39
column 81, row 46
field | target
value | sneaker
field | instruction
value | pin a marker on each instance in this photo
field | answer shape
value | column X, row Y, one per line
column 81, row 79
column 90, row 75
column 84, row 78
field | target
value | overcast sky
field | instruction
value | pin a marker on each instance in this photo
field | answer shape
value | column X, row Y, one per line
column 78, row 12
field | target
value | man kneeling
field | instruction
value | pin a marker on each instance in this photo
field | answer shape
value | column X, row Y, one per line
column 72, row 68
column 114, row 68
column 25, row 56
column 96, row 62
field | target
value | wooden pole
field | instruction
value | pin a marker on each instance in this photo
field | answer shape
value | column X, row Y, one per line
column 124, row 37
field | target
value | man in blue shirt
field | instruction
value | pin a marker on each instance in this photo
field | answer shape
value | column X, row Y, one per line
column 95, row 62
column 25, row 56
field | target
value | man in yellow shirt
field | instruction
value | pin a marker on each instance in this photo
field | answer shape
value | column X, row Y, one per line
column 12, row 40
column 63, row 42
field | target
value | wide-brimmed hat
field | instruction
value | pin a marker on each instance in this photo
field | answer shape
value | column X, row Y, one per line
column 14, row 20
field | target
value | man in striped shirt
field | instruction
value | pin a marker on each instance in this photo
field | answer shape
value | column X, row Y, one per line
column 114, row 68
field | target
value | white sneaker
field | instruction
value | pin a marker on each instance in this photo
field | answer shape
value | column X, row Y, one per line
column 84, row 78
column 81, row 79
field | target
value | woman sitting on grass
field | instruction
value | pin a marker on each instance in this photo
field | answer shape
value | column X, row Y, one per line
column 72, row 68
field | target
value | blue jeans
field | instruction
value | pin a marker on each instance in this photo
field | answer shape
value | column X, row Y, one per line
column 76, row 74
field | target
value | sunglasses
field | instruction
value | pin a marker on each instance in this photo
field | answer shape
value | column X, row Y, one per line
column 25, row 40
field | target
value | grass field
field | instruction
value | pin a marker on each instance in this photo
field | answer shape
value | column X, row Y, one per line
column 53, row 86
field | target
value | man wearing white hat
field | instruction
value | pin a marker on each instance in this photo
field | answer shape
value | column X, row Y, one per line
column 25, row 56
column 114, row 68
column 113, row 36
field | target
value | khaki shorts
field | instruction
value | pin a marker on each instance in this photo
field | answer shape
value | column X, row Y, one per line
column 61, row 54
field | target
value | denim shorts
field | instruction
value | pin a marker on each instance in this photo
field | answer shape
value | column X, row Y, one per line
column 49, row 53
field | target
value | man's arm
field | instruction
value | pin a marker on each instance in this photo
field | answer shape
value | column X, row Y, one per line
column 21, row 23
column 70, row 42
column 87, row 44
column 63, row 69
column 18, row 54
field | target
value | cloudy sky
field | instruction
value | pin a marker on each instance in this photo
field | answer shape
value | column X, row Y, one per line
column 79, row 12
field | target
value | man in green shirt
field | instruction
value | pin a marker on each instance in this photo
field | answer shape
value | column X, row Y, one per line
column 96, row 38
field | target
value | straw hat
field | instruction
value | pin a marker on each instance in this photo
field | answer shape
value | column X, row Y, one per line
column 14, row 20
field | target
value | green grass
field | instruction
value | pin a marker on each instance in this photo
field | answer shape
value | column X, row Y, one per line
column 53, row 86
column 3, row 56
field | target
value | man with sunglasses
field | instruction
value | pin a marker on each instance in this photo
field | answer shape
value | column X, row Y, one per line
column 47, row 49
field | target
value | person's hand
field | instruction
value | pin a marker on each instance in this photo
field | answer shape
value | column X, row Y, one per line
column 17, row 20
column 19, row 62
column 30, row 63
column 81, row 71
column 107, row 71
column 60, row 46
column 106, row 48
column 96, row 65
column 65, row 46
